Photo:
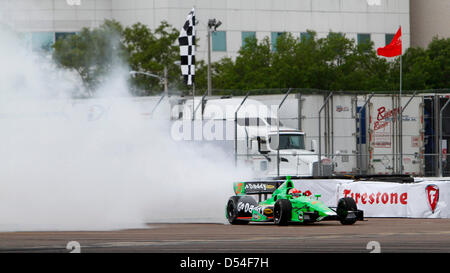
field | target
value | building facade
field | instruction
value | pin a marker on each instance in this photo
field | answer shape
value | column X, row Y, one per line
column 429, row 19
column 44, row 21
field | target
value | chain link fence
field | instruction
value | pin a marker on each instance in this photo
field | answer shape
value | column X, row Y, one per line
column 341, row 133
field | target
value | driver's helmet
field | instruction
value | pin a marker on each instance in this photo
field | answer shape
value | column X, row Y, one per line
column 294, row 192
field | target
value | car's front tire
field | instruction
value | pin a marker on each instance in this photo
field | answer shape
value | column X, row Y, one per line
column 282, row 212
column 345, row 205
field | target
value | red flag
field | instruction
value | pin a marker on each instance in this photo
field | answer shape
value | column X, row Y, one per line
column 394, row 48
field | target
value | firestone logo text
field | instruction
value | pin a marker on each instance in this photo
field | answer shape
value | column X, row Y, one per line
column 377, row 197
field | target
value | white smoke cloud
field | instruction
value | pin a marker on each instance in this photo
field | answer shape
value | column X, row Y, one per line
column 95, row 164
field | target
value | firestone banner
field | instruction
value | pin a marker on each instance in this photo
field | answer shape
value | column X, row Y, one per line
column 425, row 199
column 378, row 199
column 428, row 199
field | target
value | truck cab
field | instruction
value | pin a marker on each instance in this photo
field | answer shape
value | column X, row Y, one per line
column 294, row 159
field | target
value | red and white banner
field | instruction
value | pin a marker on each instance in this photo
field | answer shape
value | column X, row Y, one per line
column 431, row 199
column 377, row 199
column 427, row 198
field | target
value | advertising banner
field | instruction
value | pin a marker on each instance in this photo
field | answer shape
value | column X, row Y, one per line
column 430, row 199
column 427, row 198
column 378, row 199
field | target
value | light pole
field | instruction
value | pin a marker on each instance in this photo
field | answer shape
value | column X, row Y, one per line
column 162, row 79
column 213, row 24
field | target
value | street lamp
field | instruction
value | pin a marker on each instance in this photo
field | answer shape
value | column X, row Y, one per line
column 162, row 79
column 213, row 24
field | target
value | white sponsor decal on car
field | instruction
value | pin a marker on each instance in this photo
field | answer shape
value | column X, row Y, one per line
column 247, row 207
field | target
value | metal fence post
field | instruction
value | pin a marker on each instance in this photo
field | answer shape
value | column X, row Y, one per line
column 200, row 104
column 320, row 133
column 278, row 130
column 360, row 131
column 157, row 104
column 235, row 128
column 401, row 131
column 441, row 172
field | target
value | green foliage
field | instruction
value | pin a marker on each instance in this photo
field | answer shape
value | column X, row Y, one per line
column 331, row 63
column 151, row 52
column 427, row 68
column 91, row 53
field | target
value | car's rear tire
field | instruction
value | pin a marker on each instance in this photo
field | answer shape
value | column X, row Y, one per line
column 282, row 212
column 232, row 210
column 345, row 205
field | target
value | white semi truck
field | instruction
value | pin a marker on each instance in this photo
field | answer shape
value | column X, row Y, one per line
column 252, row 128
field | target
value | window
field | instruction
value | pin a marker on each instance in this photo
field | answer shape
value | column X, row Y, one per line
column 274, row 37
column 363, row 38
column 389, row 38
column 63, row 35
column 294, row 141
column 219, row 41
column 42, row 41
column 247, row 34
column 305, row 36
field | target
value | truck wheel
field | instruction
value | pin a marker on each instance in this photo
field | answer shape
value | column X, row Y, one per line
column 282, row 212
column 232, row 210
column 345, row 205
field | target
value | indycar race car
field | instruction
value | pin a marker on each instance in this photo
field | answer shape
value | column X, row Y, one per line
column 286, row 205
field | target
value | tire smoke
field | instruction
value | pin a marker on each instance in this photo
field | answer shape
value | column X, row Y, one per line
column 95, row 164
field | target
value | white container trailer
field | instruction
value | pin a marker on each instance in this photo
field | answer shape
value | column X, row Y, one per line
column 338, row 125
column 343, row 135
column 386, row 149
column 309, row 119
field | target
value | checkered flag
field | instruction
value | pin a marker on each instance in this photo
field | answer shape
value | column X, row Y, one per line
column 187, row 48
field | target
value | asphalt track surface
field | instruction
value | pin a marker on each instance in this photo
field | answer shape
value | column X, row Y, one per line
column 392, row 235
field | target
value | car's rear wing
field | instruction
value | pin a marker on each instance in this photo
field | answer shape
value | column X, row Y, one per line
column 256, row 187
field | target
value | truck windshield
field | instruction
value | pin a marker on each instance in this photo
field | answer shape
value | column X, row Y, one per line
column 292, row 141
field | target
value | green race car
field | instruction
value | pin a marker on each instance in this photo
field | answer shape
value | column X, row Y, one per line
column 286, row 205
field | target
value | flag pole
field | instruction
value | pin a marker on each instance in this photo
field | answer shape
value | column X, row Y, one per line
column 193, row 100
column 391, row 50
column 193, row 82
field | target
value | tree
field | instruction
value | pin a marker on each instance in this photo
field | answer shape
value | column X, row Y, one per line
column 91, row 53
column 330, row 63
column 248, row 71
column 152, row 52
column 439, row 54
